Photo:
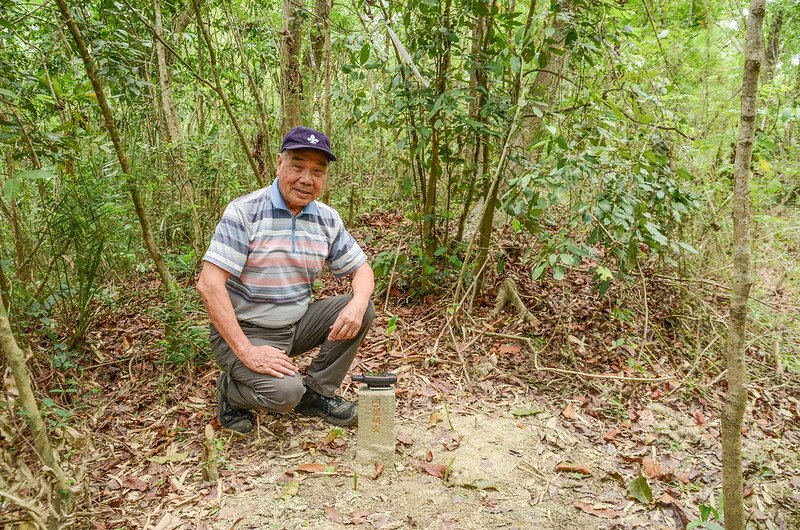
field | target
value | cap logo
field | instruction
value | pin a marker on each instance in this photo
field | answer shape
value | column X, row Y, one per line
column 313, row 139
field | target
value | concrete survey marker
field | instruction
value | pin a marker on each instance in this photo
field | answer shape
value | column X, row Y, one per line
column 376, row 438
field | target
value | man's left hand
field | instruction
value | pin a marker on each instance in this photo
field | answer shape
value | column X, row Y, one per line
column 349, row 321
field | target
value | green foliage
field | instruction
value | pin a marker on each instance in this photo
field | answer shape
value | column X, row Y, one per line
column 711, row 518
column 640, row 490
column 185, row 342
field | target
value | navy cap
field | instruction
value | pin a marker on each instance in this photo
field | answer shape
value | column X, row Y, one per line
column 307, row 138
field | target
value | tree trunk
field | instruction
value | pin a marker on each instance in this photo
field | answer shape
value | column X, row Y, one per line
column 5, row 285
column 262, row 150
column 217, row 87
column 175, row 133
column 773, row 48
column 323, row 15
column 429, row 208
column 33, row 417
column 736, row 396
column 543, row 89
column 138, row 203
column 479, row 88
column 291, row 80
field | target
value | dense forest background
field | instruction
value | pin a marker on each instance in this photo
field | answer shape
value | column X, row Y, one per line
column 574, row 159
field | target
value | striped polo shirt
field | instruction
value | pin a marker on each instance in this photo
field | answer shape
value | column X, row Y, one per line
column 274, row 257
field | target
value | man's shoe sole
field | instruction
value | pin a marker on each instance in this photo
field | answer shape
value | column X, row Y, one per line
column 311, row 412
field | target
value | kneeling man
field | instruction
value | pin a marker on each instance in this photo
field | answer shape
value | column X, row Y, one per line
column 256, row 284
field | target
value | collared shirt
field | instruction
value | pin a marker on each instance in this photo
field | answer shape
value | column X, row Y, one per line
column 274, row 257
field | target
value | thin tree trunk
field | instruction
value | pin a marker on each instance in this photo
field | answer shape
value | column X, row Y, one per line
column 33, row 417
column 736, row 395
column 542, row 89
column 217, row 86
column 11, row 213
column 5, row 285
column 478, row 88
column 429, row 209
column 138, row 203
column 291, row 80
column 266, row 164
column 323, row 13
column 773, row 48
column 175, row 132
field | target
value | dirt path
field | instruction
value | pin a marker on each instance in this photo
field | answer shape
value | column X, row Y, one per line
column 505, row 471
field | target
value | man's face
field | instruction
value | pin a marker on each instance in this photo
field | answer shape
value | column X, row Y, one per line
column 301, row 177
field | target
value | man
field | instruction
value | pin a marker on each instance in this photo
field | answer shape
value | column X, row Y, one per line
column 256, row 284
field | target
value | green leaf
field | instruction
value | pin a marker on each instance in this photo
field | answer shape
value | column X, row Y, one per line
column 538, row 271
column 656, row 233
column 603, row 273
column 48, row 402
column 364, row 55
column 521, row 413
column 481, row 484
column 640, row 490
column 11, row 188
column 558, row 273
column 289, row 490
column 35, row 174
column 567, row 259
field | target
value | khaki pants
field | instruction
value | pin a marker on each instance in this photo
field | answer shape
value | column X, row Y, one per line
column 250, row 390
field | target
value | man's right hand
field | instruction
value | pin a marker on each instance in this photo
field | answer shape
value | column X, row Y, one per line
column 268, row 360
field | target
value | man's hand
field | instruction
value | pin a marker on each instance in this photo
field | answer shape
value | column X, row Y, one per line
column 349, row 321
column 268, row 360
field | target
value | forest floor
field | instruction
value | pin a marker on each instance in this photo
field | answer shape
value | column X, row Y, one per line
column 509, row 447
column 590, row 416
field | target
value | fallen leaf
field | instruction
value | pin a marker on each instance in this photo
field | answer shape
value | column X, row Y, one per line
column 285, row 478
column 333, row 515
column 665, row 498
column 434, row 470
column 526, row 412
column 434, row 419
column 568, row 412
column 405, row 439
column 135, row 484
column 378, row 470
column 652, row 468
column 289, row 490
column 509, row 349
column 451, row 441
column 699, row 418
column 569, row 467
column 378, row 520
column 481, row 484
column 334, row 434
column 316, row 468
column 428, row 456
column 605, row 513
column 610, row 435
column 639, row 490
column 646, row 418
column 679, row 516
